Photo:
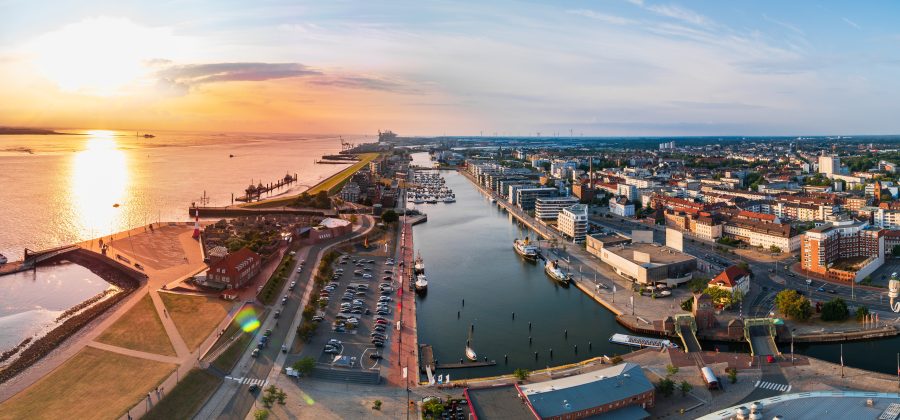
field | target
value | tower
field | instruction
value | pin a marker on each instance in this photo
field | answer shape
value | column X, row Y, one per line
column 196, row 234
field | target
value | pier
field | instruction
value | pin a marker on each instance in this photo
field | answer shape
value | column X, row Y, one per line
column 256, row 191
column 234, row 211
column 465, row 364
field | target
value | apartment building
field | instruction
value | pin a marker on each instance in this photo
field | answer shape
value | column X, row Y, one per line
column 843, row 250
column 548, row 208
column 525, row 198
column 762, row 231
column 572, row 222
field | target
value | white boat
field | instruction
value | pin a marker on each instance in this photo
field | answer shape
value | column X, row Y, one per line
column 449, row 199
column 470, row 352
column 635, row 341
column 493, row 201
column 3, row 259
column 524, row 248
column 418, row 201
column 419, row 267
column 421, row 283
column 555, row 272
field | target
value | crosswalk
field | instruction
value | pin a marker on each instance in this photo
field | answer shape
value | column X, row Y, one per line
column 248, row 381
column 772, row 386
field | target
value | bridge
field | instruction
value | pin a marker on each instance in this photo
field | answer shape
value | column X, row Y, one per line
column 686, row 327
column 760, row 333
column 33, row 258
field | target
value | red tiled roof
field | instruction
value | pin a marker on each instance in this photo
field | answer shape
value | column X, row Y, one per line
column 754, row 215
column 730, row 276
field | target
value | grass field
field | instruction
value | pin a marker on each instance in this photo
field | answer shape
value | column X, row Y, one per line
column 139, row 329
column 188, row 396
column 195, row 316
column 95, row 384
column 226, row 361
column 331, row 184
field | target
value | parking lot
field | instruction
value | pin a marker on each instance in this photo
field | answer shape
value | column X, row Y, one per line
column 360, row 303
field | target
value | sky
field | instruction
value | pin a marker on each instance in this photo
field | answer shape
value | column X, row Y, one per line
column 592, row 68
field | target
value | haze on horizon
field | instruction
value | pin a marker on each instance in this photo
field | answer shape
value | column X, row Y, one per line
column 616, row 67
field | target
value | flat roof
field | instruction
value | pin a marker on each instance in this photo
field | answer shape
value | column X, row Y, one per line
column 659, row 254
column 817, row 405
column 609, row 240
column 498, row 403
column 579, row 392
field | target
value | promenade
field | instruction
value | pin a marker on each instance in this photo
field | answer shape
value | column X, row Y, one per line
column 404, row 344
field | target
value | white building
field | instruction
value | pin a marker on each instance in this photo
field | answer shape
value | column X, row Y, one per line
column 621, row 207
column 733, row 279
column 829, row 165
column 629, row 191
column 573, row 222
column 548, row 208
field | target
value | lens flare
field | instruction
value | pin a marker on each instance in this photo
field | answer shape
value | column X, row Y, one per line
column 247, row 319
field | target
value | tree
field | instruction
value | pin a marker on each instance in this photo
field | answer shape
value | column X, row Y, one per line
column 305, row 365
column 389, row 217
column 792, row 304
column 433, row 407
column 732, row 374
column 698, row 284
column 722, row 297
column 895, row 251
column 886, row 196
column 685, row 388
column 665, row 387
column 835, row 310
column 775, row 249
column 861, row 313
column 376, row 405
column 521, row 374
column 261, row 414
column 687, row 304
column 746, row 267
column 671, row 370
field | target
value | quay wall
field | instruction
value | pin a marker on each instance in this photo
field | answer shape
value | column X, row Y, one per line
column 232, row 211
column 506, row 206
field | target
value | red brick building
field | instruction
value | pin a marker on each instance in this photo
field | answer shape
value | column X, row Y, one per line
column 236, row 269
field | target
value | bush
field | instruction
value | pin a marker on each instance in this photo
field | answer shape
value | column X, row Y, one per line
column 521, row 374
column 671, row 370
column 305, row 365
column 376, row 405
column 688, row 304
column 835, row 310
column 261, row 414
column 665, row 387
column 732, row 374
column 685, row 388
column 861, row 313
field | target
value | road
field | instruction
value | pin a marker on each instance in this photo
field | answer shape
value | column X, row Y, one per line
column 233, row 399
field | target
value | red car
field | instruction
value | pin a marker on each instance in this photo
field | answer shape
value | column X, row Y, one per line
column 770, row 359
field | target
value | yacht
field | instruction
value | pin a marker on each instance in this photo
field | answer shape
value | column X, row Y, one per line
column 431, row 200
column 3, row 259
column 555, row 272
column 524, row 248
column 449, row 199
column 421, row 283
column 418, row 200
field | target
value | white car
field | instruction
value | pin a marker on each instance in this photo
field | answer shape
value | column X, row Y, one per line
column 367, row 276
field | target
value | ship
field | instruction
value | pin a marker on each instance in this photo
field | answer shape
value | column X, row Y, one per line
column 421, row 283
column 555, row 272
column 470, row 352
column 524, row 248
column 419, row 267
column 635, row 341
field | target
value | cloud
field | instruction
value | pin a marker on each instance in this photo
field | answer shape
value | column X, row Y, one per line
column 784, row 24
column 363, row 82
column 851, row 23
column 676, row 12
column 197, row 74
column 602, row 17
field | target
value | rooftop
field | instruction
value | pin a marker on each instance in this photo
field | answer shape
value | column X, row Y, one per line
column 658, row 254
column 818, row 405
column 579, row 392
column 498, row 403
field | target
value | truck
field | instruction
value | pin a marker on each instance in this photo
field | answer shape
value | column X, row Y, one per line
column 712, row 382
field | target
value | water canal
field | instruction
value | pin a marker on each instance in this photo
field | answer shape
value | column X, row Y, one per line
column 467, row 248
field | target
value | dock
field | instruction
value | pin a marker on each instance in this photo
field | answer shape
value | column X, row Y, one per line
column 426, row 354
column 256, row 191
column 235, row 211
column 466, row 364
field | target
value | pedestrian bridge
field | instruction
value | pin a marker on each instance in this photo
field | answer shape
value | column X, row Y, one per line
column 760, row 333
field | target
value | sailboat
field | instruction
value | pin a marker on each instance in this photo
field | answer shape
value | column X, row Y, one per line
column 470, row 352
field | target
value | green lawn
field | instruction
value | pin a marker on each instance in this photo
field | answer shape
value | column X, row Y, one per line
column 95, row 384
column 139, row 329
column 226, row 361
column 196, row 317
column 185, row 400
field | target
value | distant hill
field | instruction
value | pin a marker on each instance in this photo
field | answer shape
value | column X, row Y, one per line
column 19, row 130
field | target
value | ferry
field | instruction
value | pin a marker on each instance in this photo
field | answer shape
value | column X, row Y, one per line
column 556, row 273
column 524, row 248
column 421, row 283
column 420, row 265
column 634, row 341
column 3, row 259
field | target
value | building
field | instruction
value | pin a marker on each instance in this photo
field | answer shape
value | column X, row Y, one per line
column 525, row 198
column 621, row 207
column 642, row 262
column 829, row 165
column 762, row 233
column 236, row 269
column 548, row 208
column 350, row 192
column 844, row 251
column 620, row 389
column 573, row 222
column 733, row 279
column 628, row 191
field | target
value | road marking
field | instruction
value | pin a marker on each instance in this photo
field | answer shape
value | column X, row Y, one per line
column 772, row 386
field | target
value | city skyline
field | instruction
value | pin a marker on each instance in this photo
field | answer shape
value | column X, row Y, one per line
column 615, row 68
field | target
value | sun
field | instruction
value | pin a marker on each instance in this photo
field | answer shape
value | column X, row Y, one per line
column 100, row 56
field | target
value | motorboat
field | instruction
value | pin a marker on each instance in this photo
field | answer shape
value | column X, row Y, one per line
column 3, row 259
column 419, row 266
column 553, row 270
column 470, row 352
column 524, row 248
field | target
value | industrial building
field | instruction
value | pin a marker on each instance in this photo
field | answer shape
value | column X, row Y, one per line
column 643, row 261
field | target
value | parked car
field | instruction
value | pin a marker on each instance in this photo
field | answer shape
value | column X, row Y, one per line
column 255, row 353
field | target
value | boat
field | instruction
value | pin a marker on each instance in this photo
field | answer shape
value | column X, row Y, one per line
column 418, row 201
column 635, row 341
column 149, row 136
column 555, row 272
column 470, row 352
column 449, row 199
column 524, row 248
column 3, row 259
column 431, row 200
column 493, row 200
column 419, row 267
column 421, row 283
